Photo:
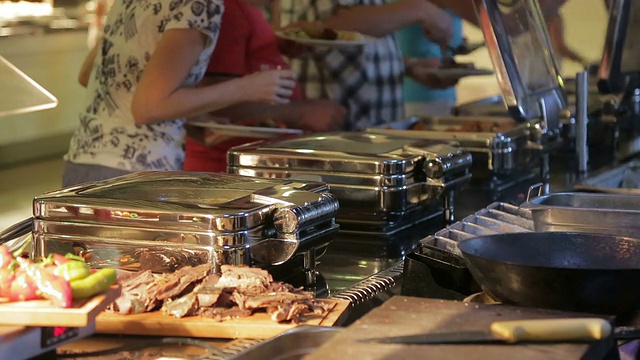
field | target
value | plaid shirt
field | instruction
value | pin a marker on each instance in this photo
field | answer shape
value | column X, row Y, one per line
column 367, row 81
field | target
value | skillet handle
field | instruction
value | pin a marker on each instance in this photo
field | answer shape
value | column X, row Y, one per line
column 540, row 188
column 565, row 329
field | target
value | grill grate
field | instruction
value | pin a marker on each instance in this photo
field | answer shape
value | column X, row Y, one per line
column 496, row 218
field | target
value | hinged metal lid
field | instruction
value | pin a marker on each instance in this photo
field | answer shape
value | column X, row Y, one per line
column 521, row 53
column 188, row 201
column 621, row 49
column 356, row 153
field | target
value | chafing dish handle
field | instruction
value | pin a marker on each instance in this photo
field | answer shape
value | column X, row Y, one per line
column 582, row 120
column 290, row 219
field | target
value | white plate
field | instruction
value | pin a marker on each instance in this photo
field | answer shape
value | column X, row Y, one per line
column 456, row 73
column 364, row 39
column 245, row 131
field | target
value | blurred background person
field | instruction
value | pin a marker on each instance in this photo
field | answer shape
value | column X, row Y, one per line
column 247, row 44
column 367, row 80
column 426, row 93
column 142, row 86
column 555, row 28
column 100, row 8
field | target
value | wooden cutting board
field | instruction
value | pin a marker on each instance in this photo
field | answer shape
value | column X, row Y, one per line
column 44, row 313
column 403, row 315
column 256, row 326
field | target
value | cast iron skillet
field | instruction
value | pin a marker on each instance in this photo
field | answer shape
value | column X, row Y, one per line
column 594, row 273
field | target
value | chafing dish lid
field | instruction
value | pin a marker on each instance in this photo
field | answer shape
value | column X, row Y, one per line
column 621, row 53
column 362, row 153
column 186, row 200
column 521, row 53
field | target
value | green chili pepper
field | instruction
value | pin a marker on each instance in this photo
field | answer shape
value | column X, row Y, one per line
column 93, row 284
column 74, row 257
column 73, row 270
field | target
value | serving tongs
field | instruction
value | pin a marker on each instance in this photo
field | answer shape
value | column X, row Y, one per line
column 16, row 230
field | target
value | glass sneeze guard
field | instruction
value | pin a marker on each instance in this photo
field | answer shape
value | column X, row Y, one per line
column 20, row 93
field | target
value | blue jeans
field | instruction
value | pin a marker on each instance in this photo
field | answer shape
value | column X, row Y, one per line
column 74, row 174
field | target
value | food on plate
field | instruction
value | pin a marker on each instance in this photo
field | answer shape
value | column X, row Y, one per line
column 476, row 126
column 59, row 279
column 238, row 291
column 319, row 32
column 349, row 36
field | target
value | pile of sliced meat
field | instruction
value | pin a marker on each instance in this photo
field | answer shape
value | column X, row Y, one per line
column 195, row 291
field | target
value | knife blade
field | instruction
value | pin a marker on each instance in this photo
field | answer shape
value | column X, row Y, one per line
column 515, row 331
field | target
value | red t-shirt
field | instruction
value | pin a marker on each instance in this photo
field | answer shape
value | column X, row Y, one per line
column 246, row 41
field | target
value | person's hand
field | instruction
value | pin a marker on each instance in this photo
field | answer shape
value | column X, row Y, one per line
column 271, row 85
column 319, row 115
column 421, row 70
column 438, row 27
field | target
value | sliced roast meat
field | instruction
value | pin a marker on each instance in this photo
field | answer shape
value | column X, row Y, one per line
column 237, row 292
column 183, row 306
column 220, row 314
column 171, row 285
column 246, row 279
column 274, row 299
column 128, row 305
column 214, row 296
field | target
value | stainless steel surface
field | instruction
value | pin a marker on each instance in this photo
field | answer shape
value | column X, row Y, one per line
column 21, row 94
column 619, row 179
column 371, row 286
column 582, row 121
column 614, row 214
column 292, row 345
column 221, row 218
column 521, row 54
column 380, row 180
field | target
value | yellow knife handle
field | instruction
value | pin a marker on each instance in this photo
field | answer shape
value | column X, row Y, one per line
column 565, row 329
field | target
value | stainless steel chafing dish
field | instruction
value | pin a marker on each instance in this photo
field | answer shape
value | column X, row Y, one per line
column 584, row 212
column 531, row 89
column 499, row 145
column 158, row 219
column 383, row 182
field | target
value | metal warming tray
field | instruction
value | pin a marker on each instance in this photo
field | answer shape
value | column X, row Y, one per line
column 381, row 181
column 499, row 145
column 620, row 179
column 585, row 212
column 163, row 220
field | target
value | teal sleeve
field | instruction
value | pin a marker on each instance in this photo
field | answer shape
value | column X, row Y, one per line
column 414, row 44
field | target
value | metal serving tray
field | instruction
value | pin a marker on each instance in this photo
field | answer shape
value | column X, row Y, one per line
column 586, row 212
column 167, row 217
column 499, row 145
column 379, row 179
